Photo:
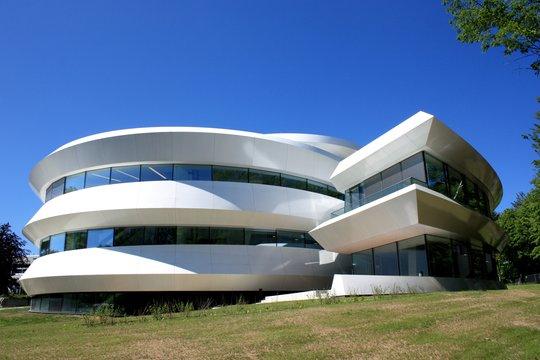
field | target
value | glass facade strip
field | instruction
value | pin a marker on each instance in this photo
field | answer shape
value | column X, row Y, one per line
column 363, row 262
column 412, row 256
column 74, row 183
column 100, row 238
column 156, row 172
column 192, row 173
column 124, row 174
column 161, row 235
column 57, row 243
column 184, row 172
column 192, row 235
column 227, row 236
column 385, row 260
column 413, row 170
column 260, row 237
column 128, row 236
column 76, row 240
column 428, row 255
column 264, row 177
column 229, row 173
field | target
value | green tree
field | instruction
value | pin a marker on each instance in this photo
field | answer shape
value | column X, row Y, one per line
column 12, row 255
column 513, row 25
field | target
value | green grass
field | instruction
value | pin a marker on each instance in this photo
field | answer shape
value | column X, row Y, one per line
column 478, row 324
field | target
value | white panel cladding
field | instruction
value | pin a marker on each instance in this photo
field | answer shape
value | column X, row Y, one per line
column 184, row 268
column 420, row 132
column 204, row 203
column 414, row 210
column 184, row 146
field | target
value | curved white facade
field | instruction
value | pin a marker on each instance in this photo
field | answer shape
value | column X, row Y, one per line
column 178, row 209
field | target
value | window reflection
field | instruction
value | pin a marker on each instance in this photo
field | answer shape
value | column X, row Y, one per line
column 385, row 260
column 97, row 177
column 74, row 182
column 57, row 243
column 264, row 177
column 363, row 262
column 100, row 238
column 412, row 256
column 192, row 172
column 75, row 240
column 156, row 172
column 124, row 174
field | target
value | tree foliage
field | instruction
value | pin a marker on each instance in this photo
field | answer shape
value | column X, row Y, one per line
column 521, row 255
column 12, row 255
column 513, row 25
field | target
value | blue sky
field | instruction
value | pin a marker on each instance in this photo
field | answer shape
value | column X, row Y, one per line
column 351, row 69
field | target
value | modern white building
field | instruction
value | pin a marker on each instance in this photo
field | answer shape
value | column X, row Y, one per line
column 136, row 214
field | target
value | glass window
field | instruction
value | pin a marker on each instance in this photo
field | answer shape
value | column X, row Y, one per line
column 193, row 235
column 57, row 188
column 45, row 247
column 412, row 256
column 124, row 174
column 100, row 238
column 332, row 191
column 74, row 182
column 264, row 177
column 456, row 184
column 317, row 187
column 483, row 202
column 436, row 175
column 156, row 172
column 311, row 243
column 353, row 198
column 229, row 173
column 391, row 176
column 477, row 259
column 291, row 238
column 362, row 262
column 97, row 177
column 439, row 256
column 227, row 236
column 160, row 235
column 371, row 186
column 471, row 195
column 127, row 236
column 57, row 243
column 386, row 260
column 294, row 182
column 192, row 172
column 489, row 257
column 48, row 193
column 260, row 237
column 461, row 258
column 75, row 240
column 413, row 167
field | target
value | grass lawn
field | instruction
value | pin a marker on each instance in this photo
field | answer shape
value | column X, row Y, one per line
column 475, row 324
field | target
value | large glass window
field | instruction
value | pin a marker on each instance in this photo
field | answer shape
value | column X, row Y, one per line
column 294, row 182
column 260, row 237
column 229, row 173
column 127, row 236
column 74, row 182
column 363, row 262
column 58, row 242
column 461, row 258
column 192, row 172
column 413, row 167
column 471, row 195
column 124, row 174
column 57, row 188
column 332, row 191
column 477, row 258
column 264, row 177
column 317, row 187
column 439, row 256
column 76, row 240
column 371, row 186
column 353, row 198
column 412, row 256
column 291, row 238
column 45, row 247
column 386, row 260
column 391, row 176
column 227, row 236
column 456, row 185
column 160, row 235
column 156, row 172
column 100, row 238
column 311, row 243
column 489, row 266
column 97, row 177
column 483, row 202
column 193, row 235
column 436, row 174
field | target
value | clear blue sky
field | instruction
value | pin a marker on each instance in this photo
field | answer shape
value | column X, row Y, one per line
column 351, row 69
